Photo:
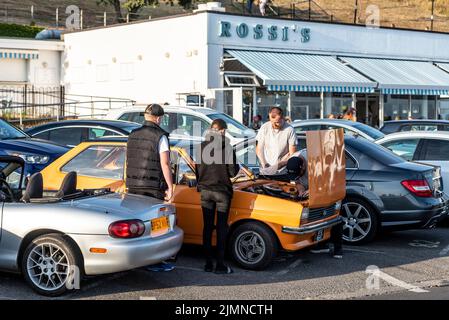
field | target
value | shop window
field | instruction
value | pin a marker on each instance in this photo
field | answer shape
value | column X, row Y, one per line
column 337, row 103
column 267, row 99
column 423, row 107
column 396, row 107
column 305, row 106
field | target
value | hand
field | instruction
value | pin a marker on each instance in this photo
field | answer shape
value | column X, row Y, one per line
column 168, row 194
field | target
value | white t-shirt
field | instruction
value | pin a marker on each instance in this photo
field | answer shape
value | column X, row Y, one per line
column 163, row 144
column 275, row 143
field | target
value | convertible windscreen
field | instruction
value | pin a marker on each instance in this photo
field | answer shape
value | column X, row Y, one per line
column 99, row 161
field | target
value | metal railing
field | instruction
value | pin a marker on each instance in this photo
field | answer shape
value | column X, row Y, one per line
column 27, row 105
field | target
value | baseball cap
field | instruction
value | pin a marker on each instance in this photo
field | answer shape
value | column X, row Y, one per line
column 155, row 110
column 294, row 165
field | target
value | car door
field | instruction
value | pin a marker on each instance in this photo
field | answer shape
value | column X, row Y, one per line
column 436, row 152
column 187, row 200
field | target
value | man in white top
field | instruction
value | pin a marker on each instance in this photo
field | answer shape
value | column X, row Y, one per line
column 276, row 142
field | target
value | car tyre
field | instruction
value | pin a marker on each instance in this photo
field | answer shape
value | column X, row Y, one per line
column 253, row 245
column 360, row 221
column 52, row 265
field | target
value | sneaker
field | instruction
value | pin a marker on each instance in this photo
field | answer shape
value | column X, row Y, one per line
column 209, row 266
column 223, row 270
column 338, row 254
column 158, row 267
column 323, row 250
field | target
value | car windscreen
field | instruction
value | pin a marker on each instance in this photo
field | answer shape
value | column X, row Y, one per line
column 235, row 128
column 8, row 131
column 374, row 151
column 100, row 161
column 372, row 132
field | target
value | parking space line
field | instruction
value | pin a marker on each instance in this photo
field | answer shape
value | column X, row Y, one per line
column 445, row 251
column 290, row 267
column 345, row 248
column 189, row 268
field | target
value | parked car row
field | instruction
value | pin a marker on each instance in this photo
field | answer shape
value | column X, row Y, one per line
column 393, row 182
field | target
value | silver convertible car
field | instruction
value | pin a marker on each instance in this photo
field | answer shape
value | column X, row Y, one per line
column 54, row 239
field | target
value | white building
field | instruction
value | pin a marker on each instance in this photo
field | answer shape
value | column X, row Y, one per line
column 33, row 62
column 242, row 65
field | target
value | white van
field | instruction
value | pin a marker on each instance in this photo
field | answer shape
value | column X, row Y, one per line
column 186, row 121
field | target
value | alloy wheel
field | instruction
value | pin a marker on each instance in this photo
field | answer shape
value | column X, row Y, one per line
column 250, row 247
column 357, row 222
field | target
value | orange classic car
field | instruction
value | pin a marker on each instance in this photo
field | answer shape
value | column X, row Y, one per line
column 265, row 216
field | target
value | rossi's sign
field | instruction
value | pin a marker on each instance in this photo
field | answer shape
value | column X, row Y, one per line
column 259, row 31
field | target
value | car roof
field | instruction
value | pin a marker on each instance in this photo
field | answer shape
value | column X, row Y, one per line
column 141, row 108
column 120, row 124
column 434, row 121
column 326, row 121
column 416, row 134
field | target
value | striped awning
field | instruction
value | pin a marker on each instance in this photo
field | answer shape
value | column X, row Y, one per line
column 281, row 71
column 18, row 54
column 402, row 76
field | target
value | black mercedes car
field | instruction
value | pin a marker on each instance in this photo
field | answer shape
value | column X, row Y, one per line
column 414, row 125
column 73, row 132
column 383, row 191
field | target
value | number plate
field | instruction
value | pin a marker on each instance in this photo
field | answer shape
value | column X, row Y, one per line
column 319, row 235
column 159, row 226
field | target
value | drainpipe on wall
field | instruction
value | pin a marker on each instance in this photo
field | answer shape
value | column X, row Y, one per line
column 322, row 104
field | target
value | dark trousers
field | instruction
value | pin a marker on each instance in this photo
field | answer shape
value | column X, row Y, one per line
column 158, row 194
column 336, row 236
column 211, row 201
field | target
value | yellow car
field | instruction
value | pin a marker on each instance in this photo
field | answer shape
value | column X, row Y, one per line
column 264, row 215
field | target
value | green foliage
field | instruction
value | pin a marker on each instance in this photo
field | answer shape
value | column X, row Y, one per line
column 18, row 31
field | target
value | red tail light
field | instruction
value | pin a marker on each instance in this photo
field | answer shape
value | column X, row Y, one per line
column 419, row 188
column 126, row 229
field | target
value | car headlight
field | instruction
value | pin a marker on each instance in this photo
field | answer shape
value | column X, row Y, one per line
column 30, row 157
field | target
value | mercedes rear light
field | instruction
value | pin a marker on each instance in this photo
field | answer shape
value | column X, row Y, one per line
column 419, row 188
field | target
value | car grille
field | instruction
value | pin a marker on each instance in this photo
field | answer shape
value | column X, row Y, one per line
column 319, row 214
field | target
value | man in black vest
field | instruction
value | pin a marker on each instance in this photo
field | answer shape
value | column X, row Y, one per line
column 148, row 170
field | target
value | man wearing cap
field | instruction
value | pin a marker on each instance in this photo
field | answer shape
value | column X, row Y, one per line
column 148, row 170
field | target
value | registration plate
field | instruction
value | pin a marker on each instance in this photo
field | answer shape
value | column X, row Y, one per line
column 159, row 226
column 319, row 235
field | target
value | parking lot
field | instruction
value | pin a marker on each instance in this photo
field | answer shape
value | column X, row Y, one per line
column 410, row 263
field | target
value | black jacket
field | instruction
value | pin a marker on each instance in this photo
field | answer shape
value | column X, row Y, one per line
column 216, row 164
column 143, row 162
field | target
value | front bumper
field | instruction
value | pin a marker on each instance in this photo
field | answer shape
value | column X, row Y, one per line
column 313, row 228
column 127, row 254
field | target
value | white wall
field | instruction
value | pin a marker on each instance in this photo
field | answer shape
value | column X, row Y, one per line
column 42, row 72
column 13, row 70
column 146, row 61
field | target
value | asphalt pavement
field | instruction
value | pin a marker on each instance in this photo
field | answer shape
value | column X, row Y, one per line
column 399, row 265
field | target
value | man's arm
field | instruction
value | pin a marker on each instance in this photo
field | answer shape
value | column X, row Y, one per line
column 260, row 155
column 166, row 170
